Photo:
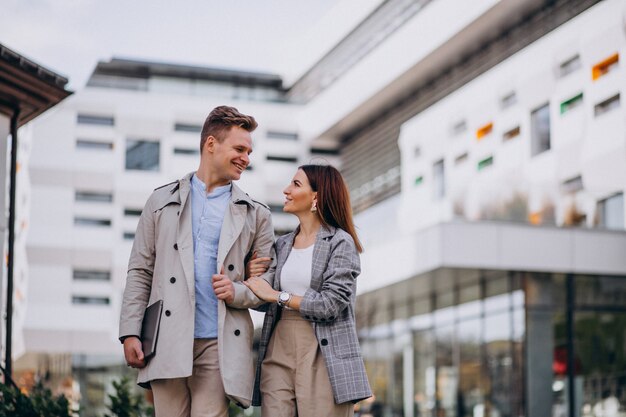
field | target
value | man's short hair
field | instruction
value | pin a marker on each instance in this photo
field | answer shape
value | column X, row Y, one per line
column 221, row 119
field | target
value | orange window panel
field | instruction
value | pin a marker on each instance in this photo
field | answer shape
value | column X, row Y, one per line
column 604, row 67
column 484, row 130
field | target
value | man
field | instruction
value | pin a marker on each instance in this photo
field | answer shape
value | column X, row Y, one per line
column 192, row 241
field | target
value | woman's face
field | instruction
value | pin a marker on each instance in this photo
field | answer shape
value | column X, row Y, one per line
column 299, row 196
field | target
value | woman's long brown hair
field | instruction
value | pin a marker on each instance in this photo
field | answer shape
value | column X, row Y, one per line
column 333, row 199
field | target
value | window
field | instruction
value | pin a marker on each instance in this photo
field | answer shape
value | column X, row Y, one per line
column 572, row 185
column 276, row 208
column 273, row 134
column 85, row 221
column 439, row 188
column 93, row 197
column 186, row 151
column 511, row 133
column 611, row 212
column 604, row 67
column 128, row 235
column 484, row 130
column 459, row 127
column 461, row 158
column 142, row 155
column 282, row 158
column 78, row 299
column 607, row 105
column 569, row 66
column 185, row 127
column 87, row 144
column 88, row 119
column 508, row 100
column 540, row 130
column 323, row 151
column 132, row 212
column 91, row 275
column 487, row 162
column 571, row 103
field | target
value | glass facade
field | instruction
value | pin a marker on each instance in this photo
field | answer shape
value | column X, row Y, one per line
column 472, row 343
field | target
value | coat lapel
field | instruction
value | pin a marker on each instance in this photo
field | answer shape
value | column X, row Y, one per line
column 234, row 219
column 321, row 251
column 184, row 236
column 282, row 254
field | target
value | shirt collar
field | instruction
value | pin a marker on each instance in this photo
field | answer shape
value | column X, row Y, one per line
column 217, row 191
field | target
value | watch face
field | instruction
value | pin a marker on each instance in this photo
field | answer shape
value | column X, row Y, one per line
column 283, row 296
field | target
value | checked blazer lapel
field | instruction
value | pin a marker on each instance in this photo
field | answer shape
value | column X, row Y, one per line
column 321, row 251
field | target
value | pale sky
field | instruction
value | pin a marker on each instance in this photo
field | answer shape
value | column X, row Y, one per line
column 70, row 36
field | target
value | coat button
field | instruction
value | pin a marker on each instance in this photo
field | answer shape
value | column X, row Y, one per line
column 178, row 213
column 175, row 246
column 168, row 313
column 324, row 342
column 237, row 332
column 172, row 280
column 231, row 267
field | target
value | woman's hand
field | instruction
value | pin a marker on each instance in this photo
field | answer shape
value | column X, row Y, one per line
column 257, row 266
column 262, row 289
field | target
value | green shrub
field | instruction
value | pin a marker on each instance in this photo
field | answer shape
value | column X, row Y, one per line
column 40, row 403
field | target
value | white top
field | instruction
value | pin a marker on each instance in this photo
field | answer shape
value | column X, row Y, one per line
column 295, row 276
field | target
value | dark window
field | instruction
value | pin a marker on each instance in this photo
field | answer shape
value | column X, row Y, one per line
column 282, row 158
column 91, row 275
column 570, row 66
column 607, row 105
column 512, row 133
column 142, row 155
column 487, row 162
column 276, row 208
column 439, row 184
column 272, row 134
column 132, row 212
column 461, row 158
column 129, row 235
column 87, row 144
column 322, row 151
column 459, row 127
column 508, row 100
column 186, row 151
column 571, row 103
column 76, row 299
column 540, row 130
column 184, row 127
column 93, row 196
column 88, row 119
column 84, row 221
column 572, row 185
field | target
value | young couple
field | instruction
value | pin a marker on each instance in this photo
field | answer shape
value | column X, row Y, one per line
column 197, row 241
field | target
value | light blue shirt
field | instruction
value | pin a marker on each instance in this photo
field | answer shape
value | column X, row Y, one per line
column 207, row 215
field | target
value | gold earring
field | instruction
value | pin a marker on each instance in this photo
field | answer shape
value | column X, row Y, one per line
column 314, row 207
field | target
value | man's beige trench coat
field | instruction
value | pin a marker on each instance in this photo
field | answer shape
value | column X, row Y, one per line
column 161, row 267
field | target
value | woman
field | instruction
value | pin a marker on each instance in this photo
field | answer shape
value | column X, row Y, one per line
column 310, row 362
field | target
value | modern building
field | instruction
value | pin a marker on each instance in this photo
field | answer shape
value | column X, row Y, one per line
column 27, row 90
column 484, row 143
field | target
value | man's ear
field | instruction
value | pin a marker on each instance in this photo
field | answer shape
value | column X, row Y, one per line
column 209, row 144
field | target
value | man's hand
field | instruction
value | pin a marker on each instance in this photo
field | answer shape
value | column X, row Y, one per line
column 223, row 287
column 133, row 352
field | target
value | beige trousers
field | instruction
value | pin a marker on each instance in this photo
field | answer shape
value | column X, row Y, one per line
column 201, row 394
column 294, row 379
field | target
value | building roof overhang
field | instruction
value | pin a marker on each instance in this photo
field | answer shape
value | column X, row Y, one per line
column 27, row 86
column 493, row 246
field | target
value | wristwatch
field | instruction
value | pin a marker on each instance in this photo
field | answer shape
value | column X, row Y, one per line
column 283, row 299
